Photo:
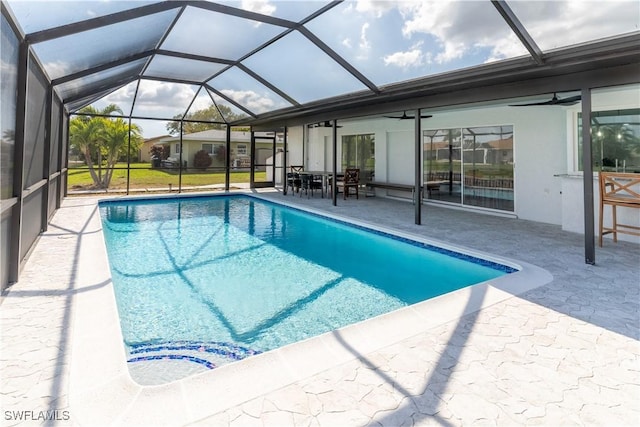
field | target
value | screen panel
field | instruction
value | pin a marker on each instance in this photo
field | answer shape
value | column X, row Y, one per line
column 8, row 98
column 5, row 248
column 31, row 221
column 34, row 133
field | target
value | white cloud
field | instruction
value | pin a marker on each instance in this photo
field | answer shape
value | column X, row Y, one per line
column 258, row 6
column 375, row 7
column 57, row 69
column 251, row 100
column 346, row 43
column 556, row 24
column 364, row 42
column 508, row 47
column 158, row 95
column 458, row 27
column 407, row 59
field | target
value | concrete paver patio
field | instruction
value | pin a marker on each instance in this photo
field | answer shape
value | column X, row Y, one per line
column 566, row 353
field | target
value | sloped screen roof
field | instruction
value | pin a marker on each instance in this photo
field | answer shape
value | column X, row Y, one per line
column 257, row 57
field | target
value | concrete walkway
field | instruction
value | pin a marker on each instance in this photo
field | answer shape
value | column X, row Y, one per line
column 566, row 353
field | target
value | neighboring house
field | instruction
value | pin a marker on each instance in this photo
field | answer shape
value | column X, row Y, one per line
column 213, row 142
column 144, row 153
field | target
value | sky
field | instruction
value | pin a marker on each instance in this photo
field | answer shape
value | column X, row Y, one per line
column 387, row 41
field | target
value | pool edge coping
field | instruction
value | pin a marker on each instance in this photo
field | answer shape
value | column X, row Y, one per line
column 112, row 393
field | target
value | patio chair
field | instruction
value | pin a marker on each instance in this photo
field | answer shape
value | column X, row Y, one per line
column 350, row 181
column 310, row 183
column 293, row 181
column 293, row 178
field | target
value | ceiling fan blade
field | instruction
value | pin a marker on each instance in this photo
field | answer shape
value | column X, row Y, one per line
column 406, row 117
column 570, row 100
column 533, row 103
column 553, row 101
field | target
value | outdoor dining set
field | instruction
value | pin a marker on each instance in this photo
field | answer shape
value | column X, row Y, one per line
column 307, row 182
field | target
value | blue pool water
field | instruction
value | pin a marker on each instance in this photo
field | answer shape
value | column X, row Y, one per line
column 205, row 281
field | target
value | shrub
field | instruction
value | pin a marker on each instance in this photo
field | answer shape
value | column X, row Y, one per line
column 202, row 159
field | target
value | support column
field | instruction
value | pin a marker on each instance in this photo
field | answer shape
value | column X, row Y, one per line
column 284, row 163
column 46, row 164
column 180, row 159
column 587, row 165
column 417, row 199
column 334, row 166
column 129, row 157
column 18, row 163
column 252, row 162
column 227, row 160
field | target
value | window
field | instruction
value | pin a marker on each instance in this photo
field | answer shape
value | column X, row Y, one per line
column 615, row 140
column 208, row 148
column 241, row 149
column 358, row 151
column 176, row 148
column 472, row 166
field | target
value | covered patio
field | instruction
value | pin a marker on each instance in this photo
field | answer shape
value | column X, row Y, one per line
column 565, row 353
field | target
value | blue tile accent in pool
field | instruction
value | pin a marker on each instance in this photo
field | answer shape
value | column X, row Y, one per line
column 226, row 350
column 203, row 362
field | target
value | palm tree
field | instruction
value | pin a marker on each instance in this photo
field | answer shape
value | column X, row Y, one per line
column 98, row 136
column 115, row 143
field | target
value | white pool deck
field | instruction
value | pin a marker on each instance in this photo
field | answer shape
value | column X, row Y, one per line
column 557, row 346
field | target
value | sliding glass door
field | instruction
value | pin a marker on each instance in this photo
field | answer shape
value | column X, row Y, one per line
column 471, row 166
column 442, row 166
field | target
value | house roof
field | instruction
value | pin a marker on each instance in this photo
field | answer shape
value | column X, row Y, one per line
column 501, row 144
column 286, row 61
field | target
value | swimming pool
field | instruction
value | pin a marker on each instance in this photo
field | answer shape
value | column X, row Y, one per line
column 204, row 281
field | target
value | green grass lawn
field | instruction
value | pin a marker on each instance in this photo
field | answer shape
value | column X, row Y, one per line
column 141, row 176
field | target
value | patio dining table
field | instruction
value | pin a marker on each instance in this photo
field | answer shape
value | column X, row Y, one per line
column 323, row 174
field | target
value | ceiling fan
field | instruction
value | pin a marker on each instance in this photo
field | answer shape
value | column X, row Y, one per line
column 325, row 124
column 553, row 101
column 404, row 116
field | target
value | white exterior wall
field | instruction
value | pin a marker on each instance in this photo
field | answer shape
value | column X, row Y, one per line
column 294, row 145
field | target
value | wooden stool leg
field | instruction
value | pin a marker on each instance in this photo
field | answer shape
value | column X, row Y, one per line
column 615, row 225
